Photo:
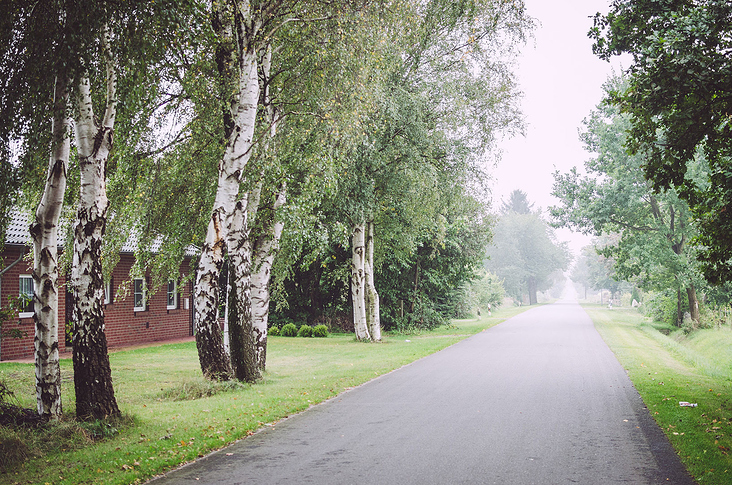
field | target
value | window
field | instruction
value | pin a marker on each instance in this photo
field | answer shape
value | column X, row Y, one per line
column 26, row 294
column 108, row 292
column 172, row 295
column 139, row 291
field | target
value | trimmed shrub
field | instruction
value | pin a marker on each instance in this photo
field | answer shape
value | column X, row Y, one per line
column 289, row 330
column 274, row 330
column 305, row 331
column 320, row 331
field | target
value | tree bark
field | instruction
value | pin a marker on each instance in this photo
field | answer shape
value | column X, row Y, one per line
column 264, row 250
column 532, row 290
column 693, row 303
column 237, row 65
column 92, row 374
column 44, row 232
column 241, row 339
column 373, row 318
column 358, row 282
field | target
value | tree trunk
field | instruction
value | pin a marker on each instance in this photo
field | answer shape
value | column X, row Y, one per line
column 44, row 232
column 92, row 374
column 263, row 254
column 358, row 282
column 693, row 303
column 679, row 308
column 237, row 65
column 532, row 291
column 241, row 340
column 373, row 318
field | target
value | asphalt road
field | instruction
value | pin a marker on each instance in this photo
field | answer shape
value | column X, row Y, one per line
column 538, row 399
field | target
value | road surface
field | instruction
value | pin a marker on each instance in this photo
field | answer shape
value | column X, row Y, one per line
column 538, row 399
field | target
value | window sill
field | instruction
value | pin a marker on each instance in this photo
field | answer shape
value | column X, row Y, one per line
column 26, row 315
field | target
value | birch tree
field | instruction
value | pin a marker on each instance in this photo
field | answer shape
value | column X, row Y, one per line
column 44, row 232
column 92, row 373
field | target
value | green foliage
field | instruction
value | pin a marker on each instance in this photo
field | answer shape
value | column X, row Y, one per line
column 320, row 331
column 289, row 330
column 678, row 99
column 305, row 331
column 661, row 306
column 274, row 331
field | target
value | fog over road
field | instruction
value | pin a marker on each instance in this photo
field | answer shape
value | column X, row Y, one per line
column 538, row 399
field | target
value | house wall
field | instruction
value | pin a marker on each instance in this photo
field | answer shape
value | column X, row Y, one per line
column 13, row 348
column 123, row 325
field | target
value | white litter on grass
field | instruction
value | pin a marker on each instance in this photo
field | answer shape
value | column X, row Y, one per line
column 407, row 340
column 687, row 404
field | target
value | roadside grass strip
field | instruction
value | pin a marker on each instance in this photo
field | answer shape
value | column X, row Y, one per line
column 172, row 415
column 673, row 369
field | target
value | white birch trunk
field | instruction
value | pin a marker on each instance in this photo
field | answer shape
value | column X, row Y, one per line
column 373, row 318
column 240, row 332
column 239, row 123
column 44, row 232
column 92, row 374
column 358, row 282
column 264, row 251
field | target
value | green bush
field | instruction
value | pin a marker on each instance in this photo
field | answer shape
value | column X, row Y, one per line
column 320, row 331
column 305, row 331
column 274, row 330
column 289, row 330
column 662, row 307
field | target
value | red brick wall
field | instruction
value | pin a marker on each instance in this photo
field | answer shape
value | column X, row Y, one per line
column 123, row 326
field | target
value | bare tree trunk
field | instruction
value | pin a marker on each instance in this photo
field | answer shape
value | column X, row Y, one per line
column 373, row 318
column 92, row 374
column 240, row 321
column 532, row 291
column 693, row 303
column 358, row 282
column 236, row 57
column 263, row 254
column 679, row 308
column 44, row 232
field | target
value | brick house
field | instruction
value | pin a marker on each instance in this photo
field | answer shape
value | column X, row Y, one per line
column 131, row 315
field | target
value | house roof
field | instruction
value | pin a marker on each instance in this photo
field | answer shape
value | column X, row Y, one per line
column 17, row 234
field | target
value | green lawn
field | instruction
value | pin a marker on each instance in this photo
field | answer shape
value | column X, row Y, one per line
column 674, row 368
column 162, row 432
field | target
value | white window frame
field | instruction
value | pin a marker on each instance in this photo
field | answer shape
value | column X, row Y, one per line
column 174, row 294
column 108, row 292
column 135, row 293
column 22, row 277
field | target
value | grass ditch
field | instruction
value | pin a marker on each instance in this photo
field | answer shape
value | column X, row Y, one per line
column 668, row 369
column 172, row 415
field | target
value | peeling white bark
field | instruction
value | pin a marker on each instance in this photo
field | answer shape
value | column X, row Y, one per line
column 263, row 253
column 373, row 318
column 92, row 374
column 358, row 281
column 44, row 232
column 240, row 122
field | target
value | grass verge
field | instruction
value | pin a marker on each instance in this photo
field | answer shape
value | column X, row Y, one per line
column 174, row 416
column 669, row 369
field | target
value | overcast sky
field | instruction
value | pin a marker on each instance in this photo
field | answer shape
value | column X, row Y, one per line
column 561, row 80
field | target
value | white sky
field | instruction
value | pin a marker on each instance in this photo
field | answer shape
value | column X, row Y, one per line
column 561, row 79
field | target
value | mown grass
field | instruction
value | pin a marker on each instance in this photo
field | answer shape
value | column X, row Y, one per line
column 674, row 368
column 174, row 416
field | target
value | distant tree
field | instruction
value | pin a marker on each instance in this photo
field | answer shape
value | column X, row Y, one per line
column 678, row 99
column 517, row 202
column 525, row 253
